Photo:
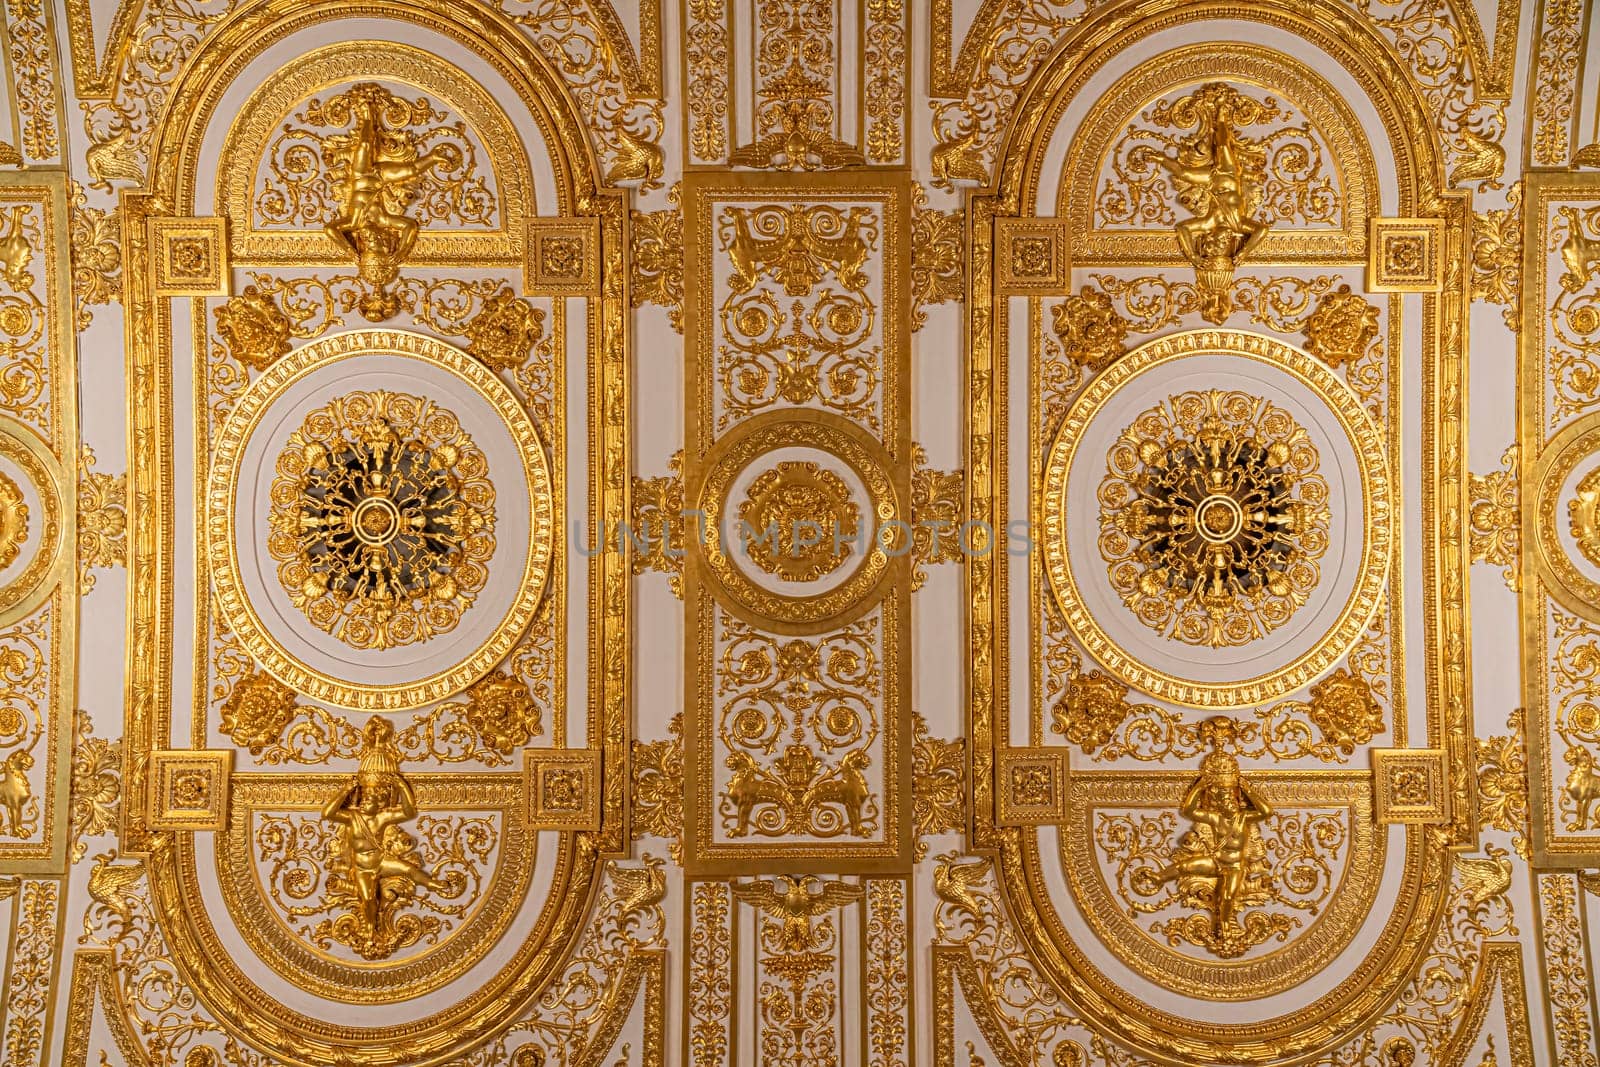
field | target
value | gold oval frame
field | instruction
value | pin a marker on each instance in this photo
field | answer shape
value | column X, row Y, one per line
column 754, row 603
column 1376, row 502
column 221, row 550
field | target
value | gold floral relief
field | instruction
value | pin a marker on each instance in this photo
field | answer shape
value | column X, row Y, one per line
column 938, row 256
column 814, row 517
column 659, row 522
column 938, row 512
column 657, row 259
column 1495, row 515
column 96, row 256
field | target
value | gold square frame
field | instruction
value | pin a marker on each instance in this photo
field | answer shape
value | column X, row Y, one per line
column 189, row 789
column 1031, row 784
column 1405, row 255
column 1030, row 256
column 1409, row 785
column 191, row 256
column 563, row 257
column 563, row 788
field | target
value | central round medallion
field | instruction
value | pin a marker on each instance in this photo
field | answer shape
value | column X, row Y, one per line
column 382, row 519
column 1220, row 519
column 375, row 521
column 801, row 520
column 1215, row 518
column 1212, row 517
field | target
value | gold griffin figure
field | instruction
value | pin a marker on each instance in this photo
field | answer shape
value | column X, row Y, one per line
column 377, row 861
column 1221, row 853
column 376, row 169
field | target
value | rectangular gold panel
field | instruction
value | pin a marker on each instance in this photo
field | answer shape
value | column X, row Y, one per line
column 1559, row 413
column 39, row 444
column 796, row 320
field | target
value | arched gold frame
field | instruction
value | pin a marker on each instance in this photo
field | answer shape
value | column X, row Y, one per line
column 249, row 136
column 205, row 963
column 1308, row 91
column 1419, row 171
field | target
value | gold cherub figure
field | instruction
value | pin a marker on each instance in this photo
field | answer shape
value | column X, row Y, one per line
column 378, row 864
column 1218, row 172
column 1227, row 807
column 375, row 168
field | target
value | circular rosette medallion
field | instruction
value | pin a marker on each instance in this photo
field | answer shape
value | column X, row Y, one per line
column 1216, row 518
column 379, row 520
column 1566, row 518
column 32, row 522
column 800, row 521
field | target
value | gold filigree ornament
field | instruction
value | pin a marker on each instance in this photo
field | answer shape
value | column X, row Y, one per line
column 382, row 519
column 1212, row 517
column 1216, row 509
column 382, row 524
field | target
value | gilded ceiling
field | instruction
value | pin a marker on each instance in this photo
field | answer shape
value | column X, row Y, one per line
column 820, row 533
